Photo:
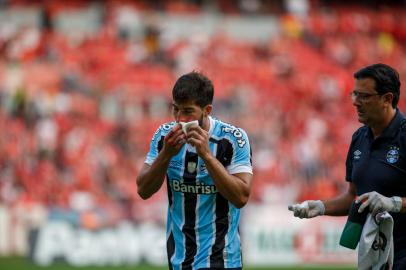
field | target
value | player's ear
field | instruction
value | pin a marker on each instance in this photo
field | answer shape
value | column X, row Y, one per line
column 207, row 109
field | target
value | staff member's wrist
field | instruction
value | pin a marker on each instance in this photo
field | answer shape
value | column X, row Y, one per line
column 397, row 203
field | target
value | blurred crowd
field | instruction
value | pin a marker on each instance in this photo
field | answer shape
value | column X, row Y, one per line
column 78, row 108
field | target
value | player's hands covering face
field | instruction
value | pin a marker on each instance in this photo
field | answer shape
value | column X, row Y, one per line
column 199, row 138
column 174, row 141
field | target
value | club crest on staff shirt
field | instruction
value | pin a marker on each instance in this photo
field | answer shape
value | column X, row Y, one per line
column 393, row 154
column 191, row 167
column 357, row 154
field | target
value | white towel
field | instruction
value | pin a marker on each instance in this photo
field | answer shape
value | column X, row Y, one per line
column 375, row 250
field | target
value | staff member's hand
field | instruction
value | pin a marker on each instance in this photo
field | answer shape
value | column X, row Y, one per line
column 308, row 209
column 174, row 141
column 199, row 138
column 378, row 203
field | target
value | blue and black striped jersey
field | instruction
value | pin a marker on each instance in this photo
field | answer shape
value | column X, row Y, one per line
column 202, row 227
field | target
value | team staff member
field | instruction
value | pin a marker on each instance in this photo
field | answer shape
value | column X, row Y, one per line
column 376, row 161
column 208, row 175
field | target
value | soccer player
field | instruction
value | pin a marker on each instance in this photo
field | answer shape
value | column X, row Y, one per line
column 208, row 174
column 376, row 160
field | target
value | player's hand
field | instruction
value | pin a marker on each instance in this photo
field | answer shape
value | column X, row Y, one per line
column 199, row 138
column 174, row 141
column 378, row 203
column 308, row 209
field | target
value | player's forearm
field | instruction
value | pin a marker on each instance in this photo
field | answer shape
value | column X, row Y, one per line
column 234, row 189
column 151, row 180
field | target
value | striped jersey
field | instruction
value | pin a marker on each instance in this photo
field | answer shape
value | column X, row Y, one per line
column 202, row 226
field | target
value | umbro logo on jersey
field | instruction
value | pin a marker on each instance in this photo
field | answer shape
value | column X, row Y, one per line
column 196, row 188
column 357, row 154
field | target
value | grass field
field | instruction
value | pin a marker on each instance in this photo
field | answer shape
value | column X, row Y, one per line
column 16, row 263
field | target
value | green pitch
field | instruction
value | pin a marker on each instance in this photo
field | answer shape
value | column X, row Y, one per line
column 16, row 263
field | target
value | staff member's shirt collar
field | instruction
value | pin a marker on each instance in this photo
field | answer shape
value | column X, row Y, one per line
column 391, row 130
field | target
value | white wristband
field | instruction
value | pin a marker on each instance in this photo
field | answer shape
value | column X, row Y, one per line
column 322, row 207
column 397, row 203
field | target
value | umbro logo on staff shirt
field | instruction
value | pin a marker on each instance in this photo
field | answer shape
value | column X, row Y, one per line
column 357, row 154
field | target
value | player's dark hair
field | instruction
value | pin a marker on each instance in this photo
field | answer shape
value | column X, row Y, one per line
column 195, row 87
column 386, row 79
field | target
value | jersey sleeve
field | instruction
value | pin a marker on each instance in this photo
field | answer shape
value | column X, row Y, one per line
column 403, row 134
column 348, row 164
column 241, row 161
column 155, row 146
column 350, row 156
column 402, row 144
